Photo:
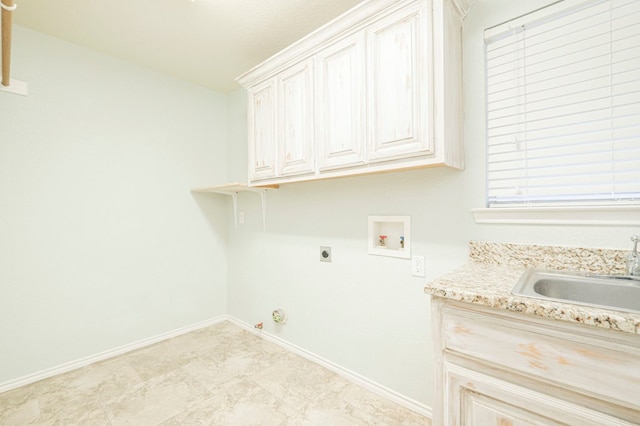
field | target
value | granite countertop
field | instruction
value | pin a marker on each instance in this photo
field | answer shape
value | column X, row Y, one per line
column 490, row 285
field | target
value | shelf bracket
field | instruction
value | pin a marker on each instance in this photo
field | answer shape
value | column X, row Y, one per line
column 234, row 199
column 263, row 202
column 233, row 189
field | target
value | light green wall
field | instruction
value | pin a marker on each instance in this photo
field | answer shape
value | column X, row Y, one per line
column 101, row 242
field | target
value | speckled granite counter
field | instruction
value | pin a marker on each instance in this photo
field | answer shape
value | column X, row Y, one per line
column 487, row 283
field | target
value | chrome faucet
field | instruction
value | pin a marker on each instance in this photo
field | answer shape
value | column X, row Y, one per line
column 633, row 260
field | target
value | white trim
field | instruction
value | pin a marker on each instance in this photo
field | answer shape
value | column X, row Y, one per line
column 356, row 378
column 579, row 215
column 537, row 15
column 8, row 8
column 82, row 362
column 17, row 87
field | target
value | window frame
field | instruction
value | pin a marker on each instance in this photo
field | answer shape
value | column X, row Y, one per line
column 554, row 212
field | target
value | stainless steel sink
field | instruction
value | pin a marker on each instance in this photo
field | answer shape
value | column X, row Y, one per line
column 618, row 293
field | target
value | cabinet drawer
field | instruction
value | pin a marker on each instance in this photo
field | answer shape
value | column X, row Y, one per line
column 596, row 365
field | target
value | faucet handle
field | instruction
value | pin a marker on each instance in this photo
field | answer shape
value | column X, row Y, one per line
column 633, row 260
column 635, row 239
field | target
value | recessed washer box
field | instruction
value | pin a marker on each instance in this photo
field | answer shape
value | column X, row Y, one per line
column 390, row 236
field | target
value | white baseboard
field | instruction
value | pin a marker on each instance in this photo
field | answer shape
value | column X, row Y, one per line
column 82, row 362
column 356, row 378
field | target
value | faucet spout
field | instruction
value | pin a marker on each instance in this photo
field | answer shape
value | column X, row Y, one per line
column 633, row 261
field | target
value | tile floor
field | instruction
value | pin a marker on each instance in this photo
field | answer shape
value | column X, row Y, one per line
column 219, row 375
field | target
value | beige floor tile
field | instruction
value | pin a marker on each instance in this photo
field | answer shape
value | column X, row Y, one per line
column 78, row 411
column 380, row 408
column 296, row 380
column 156, row 400
column 329, row 409
column 240, row 401
column 19, row 403
column 18, row 411
column 219, row 375
column 105, row 379
column 160, row 359
column 233, row 359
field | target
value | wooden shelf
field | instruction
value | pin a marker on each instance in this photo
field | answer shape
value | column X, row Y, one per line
column 232, row 190
column 233, row 187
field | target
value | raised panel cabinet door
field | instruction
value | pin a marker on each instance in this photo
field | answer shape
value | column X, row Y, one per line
column 340, row 103
column 262, row 130
column 398, row 85
column 473, row 398
column 295, row 119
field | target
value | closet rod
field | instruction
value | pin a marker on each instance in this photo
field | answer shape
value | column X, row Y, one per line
column 8, row 7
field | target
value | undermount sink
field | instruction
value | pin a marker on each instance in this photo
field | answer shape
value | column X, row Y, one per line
column 620, row 293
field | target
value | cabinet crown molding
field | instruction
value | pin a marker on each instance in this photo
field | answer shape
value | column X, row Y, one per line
column 463, row 6
column 349, row 22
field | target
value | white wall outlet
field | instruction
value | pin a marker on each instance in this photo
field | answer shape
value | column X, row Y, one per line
column 240, row 217
column 417, row 266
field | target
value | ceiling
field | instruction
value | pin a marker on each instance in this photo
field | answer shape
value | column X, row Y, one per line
column 207, row 42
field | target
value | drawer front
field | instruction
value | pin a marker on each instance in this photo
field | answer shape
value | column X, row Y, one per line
column 590, row 365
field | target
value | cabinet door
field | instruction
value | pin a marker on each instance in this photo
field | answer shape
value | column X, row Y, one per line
column 262, row 130
column 399, row 88
column 476, row 399
column 340, row 103
column 295, row 119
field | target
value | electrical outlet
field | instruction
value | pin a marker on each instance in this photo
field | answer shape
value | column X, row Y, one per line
column 325, row 254
column 417, row 266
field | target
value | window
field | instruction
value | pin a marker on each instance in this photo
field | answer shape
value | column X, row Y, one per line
column 563, row 106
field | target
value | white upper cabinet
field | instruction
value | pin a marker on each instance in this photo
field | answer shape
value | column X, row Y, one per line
column 373, row 90
column 340, row 80
column 399, row 85
column 262, row 130
column 295, row 120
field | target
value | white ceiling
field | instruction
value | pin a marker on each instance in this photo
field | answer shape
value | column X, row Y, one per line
column 207, row 42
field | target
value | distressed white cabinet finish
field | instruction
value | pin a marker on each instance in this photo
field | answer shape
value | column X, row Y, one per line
column 399, row 90
column 340, row 80
column 479, row 399
column 295, row 120
column 377, row 89
column 500, row 368
column 262, row 130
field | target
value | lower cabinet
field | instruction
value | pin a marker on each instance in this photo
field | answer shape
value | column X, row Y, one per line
column 498, row 368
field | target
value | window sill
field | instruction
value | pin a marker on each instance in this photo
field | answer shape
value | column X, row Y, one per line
column 579, row 215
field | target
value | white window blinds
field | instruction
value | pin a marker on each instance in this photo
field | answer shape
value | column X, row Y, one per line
column 563, row 105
